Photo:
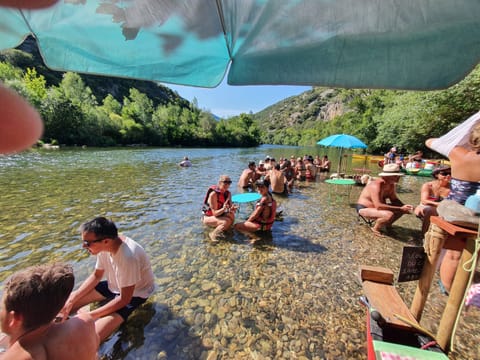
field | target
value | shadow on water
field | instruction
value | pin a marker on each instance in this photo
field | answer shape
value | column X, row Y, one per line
column 274, row 239
column 129, row 336
column 404, row 234
column 294, row 243
column 166, row 338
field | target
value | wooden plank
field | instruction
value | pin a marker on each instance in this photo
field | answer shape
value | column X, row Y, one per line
column 386, row 300
column 376, row 273
column 435, row 238
column 454, row 230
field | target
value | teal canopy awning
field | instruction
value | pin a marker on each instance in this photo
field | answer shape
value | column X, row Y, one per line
column 397, row 44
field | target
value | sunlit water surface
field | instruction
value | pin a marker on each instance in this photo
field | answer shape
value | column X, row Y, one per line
column 293, row 295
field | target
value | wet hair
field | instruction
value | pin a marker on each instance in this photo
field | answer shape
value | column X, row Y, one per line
column 38, row 293
column 251, row 163
column 100, row 226
column 475, row 138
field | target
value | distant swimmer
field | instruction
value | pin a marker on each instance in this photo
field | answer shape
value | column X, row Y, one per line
column 185, row 162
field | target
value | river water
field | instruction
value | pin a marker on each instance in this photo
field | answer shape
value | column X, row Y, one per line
column 293, row 295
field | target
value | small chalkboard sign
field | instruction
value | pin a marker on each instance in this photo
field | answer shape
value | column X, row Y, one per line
column 413, row 259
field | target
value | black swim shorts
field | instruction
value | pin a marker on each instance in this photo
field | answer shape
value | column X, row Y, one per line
column 359, row 207
column 135, row 302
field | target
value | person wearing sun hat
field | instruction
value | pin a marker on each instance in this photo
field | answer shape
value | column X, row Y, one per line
column 260, row 170
column 379, row 201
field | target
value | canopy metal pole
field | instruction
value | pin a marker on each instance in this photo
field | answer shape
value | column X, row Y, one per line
column 340, row 162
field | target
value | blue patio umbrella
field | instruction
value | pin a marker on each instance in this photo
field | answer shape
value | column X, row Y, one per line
column 419, row 44
column 342, row 141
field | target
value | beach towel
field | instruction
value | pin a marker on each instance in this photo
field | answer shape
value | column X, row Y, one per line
column 458, row 136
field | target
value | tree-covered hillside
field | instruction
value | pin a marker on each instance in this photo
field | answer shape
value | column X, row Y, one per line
column 104, row 111
column 381, row 118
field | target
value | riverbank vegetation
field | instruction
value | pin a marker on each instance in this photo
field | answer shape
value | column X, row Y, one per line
column 381, row 118
column 102, row 111
column 114, row 112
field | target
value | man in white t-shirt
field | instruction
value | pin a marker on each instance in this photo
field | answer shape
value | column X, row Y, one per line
column 126, row 267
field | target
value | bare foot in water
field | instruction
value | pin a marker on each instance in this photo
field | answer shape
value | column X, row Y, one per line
column 254, row 239
column 216, row 236
column 377, row 232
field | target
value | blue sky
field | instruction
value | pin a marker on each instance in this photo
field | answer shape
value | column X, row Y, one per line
column 226, row 100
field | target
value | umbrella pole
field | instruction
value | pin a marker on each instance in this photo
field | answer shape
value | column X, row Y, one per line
column 340, row 162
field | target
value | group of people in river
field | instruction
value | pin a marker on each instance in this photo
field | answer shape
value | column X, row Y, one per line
column 379, row 202
column 268, row 178
column 219, row 210
column 282, row 175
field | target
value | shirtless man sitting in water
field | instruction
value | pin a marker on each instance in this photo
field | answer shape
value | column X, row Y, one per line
column 248, row 176
column 277, row 180
column 372, row 203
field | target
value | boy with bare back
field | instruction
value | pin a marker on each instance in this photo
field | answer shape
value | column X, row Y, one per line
column 31, row 300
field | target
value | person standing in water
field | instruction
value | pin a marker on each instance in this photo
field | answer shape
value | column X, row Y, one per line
column 185, row 162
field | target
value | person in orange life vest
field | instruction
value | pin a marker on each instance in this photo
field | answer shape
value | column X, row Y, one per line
column 218, row 209
column 263, row 215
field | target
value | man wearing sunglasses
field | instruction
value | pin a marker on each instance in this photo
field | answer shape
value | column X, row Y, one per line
column 126, row 267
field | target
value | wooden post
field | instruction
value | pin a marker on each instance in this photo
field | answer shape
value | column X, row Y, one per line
column 435, row 237
column 455, row 299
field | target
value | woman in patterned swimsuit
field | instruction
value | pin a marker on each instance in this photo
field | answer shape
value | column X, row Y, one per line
column 465, row 164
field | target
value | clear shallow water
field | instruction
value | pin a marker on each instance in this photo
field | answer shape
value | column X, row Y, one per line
column 294, row 294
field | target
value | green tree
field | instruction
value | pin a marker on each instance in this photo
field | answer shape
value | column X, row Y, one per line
column 9, row 72
column 63, row 118
column 138, row 107
column 36, row 86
